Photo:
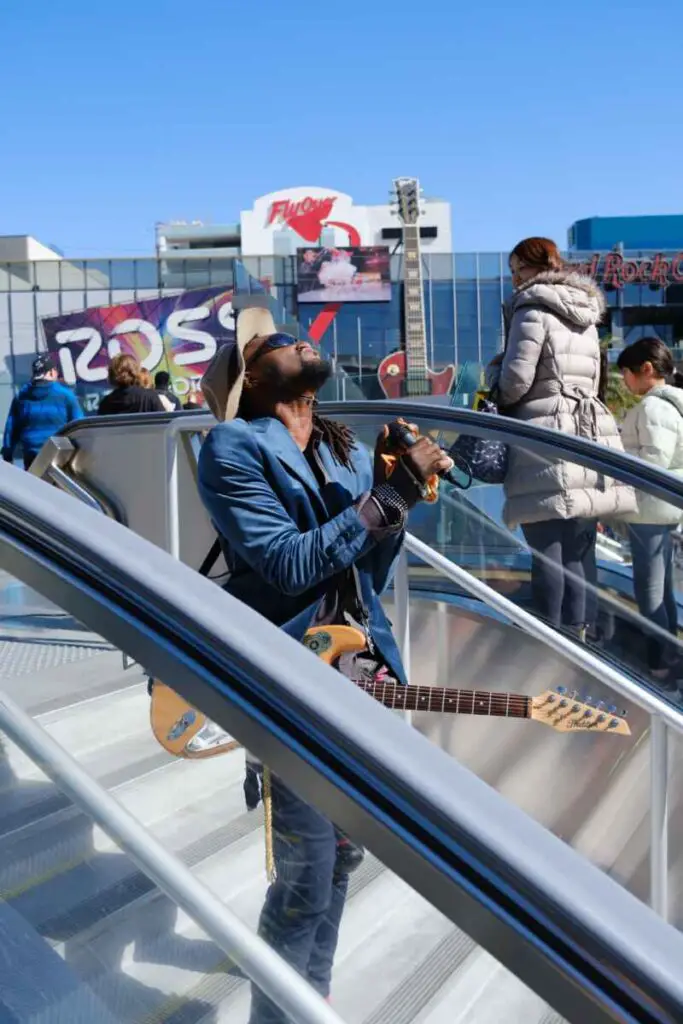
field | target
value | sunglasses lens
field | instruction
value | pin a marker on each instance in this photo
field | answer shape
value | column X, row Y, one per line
column 273, row 342
column 279, row 341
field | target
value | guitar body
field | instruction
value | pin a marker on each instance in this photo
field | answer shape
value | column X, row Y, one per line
column 396, row 382
column 176, row 724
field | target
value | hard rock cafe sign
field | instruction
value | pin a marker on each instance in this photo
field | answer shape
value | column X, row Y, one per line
column 613, row 271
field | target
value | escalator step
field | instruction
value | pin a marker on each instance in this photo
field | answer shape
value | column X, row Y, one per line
column 420, row 986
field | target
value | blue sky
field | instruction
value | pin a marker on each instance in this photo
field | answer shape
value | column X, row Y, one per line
column 525, row 116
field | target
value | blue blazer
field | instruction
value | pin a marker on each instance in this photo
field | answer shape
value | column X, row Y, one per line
column 283, row 536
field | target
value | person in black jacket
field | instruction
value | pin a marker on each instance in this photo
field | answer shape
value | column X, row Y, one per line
column 128, row 395
column 162, row 386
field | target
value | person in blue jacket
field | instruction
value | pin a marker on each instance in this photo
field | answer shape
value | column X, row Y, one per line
column 41, row 409
column 310, row 529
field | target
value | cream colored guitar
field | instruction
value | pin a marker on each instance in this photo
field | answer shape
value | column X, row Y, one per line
column 186, row 732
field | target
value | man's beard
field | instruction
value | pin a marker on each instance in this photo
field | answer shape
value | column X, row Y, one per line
column 311, row 377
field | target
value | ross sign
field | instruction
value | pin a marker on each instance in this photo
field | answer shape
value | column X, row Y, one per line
column 613, row 271
column 351, row 274
column 177, row 333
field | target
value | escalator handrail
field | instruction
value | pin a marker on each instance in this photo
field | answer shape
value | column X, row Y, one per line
column 571, row 933
column 627, row 468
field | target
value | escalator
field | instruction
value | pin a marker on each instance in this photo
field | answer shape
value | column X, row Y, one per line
column 464, row 910
column 509, row 864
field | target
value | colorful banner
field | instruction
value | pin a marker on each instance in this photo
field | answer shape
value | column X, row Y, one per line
column 177, row 333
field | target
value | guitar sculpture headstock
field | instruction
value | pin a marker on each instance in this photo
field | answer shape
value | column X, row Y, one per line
column 563, row 712
column 407, row 198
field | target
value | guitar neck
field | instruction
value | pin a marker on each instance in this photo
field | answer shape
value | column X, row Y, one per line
column 448, row 701
column 414, row 314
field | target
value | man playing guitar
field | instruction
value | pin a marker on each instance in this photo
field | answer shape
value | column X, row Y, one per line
column 310, row 530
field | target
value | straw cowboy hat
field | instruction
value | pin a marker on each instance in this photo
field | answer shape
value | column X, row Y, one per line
column 224, row 378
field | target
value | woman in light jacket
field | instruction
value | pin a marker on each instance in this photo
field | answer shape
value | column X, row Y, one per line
column 549, row 375
column 653, row 430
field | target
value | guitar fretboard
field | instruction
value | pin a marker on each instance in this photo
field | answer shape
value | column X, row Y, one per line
column 448, row 701
column 414, row 315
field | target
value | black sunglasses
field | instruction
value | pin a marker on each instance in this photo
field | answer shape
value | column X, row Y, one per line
column 271, row 343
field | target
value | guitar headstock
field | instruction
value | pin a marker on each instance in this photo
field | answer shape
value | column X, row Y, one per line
column 564, row 712
column 407, row 197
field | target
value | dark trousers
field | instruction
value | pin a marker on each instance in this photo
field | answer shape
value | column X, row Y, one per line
column 563, row 570
column 303, row 908
column 653, row 585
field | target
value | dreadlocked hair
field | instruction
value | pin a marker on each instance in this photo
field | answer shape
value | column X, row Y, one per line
column 338, row 438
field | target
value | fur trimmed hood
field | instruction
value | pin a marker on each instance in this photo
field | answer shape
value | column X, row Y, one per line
column 567, row 294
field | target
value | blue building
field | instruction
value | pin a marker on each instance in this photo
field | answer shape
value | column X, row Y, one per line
column 600, row 234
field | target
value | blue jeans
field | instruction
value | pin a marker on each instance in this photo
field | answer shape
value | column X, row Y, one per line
column 563, row 570
column 303, row 908
column 653, row 585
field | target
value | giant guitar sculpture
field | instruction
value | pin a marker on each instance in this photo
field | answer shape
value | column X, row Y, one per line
column 405, row 374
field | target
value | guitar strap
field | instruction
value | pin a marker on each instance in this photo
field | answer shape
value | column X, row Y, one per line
column 212, row 557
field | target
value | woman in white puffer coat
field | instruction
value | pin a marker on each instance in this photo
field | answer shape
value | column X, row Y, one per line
column 550, row 375
column 653, row 430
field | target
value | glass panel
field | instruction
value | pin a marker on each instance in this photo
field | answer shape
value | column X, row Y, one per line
column 489, row 266
column 439, row 266
column 73, row 274
column 97, row 275
column 592, row 600
column 147, row 273
column 465, row 266
column 47, row 275
column 21, row 276
column 109, row 946
column 221, row 272
column 123, row 273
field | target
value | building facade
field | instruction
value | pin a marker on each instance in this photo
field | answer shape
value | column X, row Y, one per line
column 281, row 222
column 463, row 292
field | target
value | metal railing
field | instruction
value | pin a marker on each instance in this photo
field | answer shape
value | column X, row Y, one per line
column 549, row 443
column 566, row 930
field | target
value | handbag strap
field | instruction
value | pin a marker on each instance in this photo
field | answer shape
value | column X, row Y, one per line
column 670, row 401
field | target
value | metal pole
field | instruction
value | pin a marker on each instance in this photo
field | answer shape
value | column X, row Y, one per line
column 479, row 352
column 428, row 262
column 360, row 352
column 402, row 613
column 659, row 817
column 335, row 355
column 173, row 514
column 274, row 977
column 455, row 312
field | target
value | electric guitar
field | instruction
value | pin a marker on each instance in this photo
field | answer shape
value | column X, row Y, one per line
column 405, row 374
column 185, row 732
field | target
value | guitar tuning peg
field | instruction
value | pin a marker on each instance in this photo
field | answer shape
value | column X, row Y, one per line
column 588, row 700
column 612, row 709
column 600, row 705
column 561, row 690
